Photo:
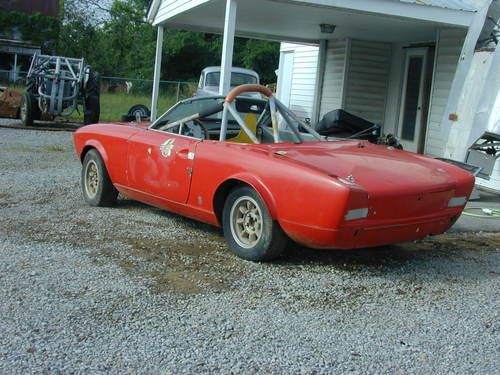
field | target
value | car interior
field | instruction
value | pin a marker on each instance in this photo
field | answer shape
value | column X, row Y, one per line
column 202, row 118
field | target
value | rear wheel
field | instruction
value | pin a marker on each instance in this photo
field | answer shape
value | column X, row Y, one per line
column 139, row 110
column 96, row 184
column 28, row 111
column 249, row 229
column 31, row 86
column 32, row 89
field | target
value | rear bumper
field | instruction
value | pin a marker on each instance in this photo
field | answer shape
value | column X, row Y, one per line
column 370, row 233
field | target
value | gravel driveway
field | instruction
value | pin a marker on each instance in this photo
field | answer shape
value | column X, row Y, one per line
column 132, row 289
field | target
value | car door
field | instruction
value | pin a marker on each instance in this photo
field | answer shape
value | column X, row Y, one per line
column 161, row 164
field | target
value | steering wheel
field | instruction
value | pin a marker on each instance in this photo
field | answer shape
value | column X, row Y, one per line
column 195, row 129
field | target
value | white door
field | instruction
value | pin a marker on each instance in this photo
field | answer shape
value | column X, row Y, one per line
column 410, row 115
column 285, row 78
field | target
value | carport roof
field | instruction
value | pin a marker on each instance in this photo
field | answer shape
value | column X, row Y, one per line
column 467, row 5
column 299, row 20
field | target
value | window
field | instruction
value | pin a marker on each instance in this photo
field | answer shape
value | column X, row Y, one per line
column 213, row 79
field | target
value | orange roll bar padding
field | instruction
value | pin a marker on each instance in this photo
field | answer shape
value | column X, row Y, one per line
column 238, row 90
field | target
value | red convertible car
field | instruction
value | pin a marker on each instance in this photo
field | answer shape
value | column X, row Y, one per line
column 252, row 167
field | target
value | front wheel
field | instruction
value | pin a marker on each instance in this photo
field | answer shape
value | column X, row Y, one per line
column 96, row 184
column 249, row 229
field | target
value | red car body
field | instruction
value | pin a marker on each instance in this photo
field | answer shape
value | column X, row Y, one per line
column 309, row 188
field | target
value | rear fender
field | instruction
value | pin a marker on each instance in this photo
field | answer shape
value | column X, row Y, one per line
column 260, row 187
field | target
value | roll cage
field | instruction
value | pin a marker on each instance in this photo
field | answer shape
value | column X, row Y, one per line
column 227, row 108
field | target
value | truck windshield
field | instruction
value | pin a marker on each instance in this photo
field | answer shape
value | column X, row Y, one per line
column 213, row 79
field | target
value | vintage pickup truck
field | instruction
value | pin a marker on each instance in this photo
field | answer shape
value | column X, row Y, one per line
column 210, row 79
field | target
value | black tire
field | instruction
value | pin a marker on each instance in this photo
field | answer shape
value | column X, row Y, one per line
column 139, row 109
column 267, row 245
column 31, row 86
column 98, row 191
column 26, row 110
column 92, row 106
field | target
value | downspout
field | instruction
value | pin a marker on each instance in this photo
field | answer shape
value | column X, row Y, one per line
column 320, row 75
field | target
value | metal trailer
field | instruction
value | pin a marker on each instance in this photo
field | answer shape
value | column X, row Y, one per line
column 485, row 153
column 57, row 86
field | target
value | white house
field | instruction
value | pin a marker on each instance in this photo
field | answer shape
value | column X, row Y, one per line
column 409, row 65
column 375, row 85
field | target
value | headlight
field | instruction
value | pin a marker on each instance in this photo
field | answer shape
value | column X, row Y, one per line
column 457, row 202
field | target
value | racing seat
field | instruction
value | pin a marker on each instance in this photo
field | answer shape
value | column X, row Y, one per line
column 242, row 137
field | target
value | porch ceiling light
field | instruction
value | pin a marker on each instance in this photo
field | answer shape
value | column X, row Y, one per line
column 326, row 28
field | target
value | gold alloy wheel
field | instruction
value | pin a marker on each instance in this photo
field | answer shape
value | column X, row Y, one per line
column 91, row 179
column 246, row 222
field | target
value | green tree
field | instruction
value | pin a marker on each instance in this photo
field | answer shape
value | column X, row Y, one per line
column 263, row 57
column 37, row 28
column 121, row 43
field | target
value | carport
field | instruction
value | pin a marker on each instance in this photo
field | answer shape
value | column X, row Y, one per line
column 402, row 22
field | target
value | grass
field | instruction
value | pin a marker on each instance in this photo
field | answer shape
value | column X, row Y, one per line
column 55, row 148
column 114, row 105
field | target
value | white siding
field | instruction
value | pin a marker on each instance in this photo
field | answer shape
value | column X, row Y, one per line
column 305, row 62
column 448, row 51
column 170, row 8
column 367, row 80
column 333, row 81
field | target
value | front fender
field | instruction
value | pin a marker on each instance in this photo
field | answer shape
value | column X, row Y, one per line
column 92, row 143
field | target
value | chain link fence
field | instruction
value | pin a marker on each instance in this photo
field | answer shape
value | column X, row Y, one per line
column 142, row 87
column 10, row 77
column 119, row 94
column 118, row 85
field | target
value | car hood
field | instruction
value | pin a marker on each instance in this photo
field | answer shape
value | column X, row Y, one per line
column 376, row 167
column 141, row 125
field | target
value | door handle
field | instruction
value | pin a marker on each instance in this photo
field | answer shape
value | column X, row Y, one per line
column 183, row 153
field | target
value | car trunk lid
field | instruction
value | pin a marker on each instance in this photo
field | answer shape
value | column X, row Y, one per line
column 399, row 184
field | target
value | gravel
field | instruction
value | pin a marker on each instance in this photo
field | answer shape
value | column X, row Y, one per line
column 133, row 289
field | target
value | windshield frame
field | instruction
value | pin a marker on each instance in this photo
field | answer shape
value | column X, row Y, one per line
column 179, row 103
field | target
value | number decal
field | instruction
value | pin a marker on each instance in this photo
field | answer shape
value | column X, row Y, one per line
column 167, row 147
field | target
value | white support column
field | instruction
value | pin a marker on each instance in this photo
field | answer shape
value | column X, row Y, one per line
column 157, row 73
column 227, row 47
column 320, row 74
column 15, row 67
